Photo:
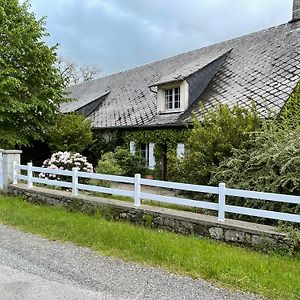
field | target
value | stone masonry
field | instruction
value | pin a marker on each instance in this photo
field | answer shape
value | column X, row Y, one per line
column 182, row 222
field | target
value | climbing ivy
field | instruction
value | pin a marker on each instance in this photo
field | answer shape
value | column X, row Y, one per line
column 160, row 137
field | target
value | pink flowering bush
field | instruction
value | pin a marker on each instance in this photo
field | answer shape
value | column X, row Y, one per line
column 65, row 161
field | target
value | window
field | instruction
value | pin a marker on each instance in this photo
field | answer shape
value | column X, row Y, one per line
column 145, row 153
column 172, row 98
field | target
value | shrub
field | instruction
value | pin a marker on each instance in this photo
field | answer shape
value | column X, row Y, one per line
column 131, row 163
column 109, row 165
column 213, row 139
column 270, row 163
column 71, row 132
column 121, row 162
column 65, row 161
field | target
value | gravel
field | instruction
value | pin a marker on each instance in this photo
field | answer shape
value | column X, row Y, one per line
column 32, row 267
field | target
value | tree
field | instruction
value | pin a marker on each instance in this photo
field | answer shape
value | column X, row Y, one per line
column 31, row 88
column 70, row 132
column 74, row 73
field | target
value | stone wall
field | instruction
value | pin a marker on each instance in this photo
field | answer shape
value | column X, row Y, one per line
column 182, row 222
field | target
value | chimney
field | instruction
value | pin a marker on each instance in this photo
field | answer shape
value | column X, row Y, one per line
column 296, row 11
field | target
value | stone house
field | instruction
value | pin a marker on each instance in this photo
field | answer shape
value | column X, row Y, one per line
column 262, row 67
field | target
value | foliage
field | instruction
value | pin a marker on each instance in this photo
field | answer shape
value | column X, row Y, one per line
column 293, row 236
column 109, row 165
column 277, row 277
column 103, row 141
column 157, row 136
column 213, row 139
column 131, row 163
column 120, row 162
column 270, row 163
column 70, row 132
column 66, row 161
column 31, row 88
column 290, row 115
column 163, row 138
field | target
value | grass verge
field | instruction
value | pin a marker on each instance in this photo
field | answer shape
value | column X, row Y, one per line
column 271, row 275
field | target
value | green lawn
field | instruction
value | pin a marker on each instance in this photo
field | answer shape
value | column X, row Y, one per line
column 270, row 275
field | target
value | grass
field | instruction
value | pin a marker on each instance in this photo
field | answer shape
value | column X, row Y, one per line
column 271, row 275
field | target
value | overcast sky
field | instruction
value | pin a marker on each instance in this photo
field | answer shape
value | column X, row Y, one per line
column 120, row 34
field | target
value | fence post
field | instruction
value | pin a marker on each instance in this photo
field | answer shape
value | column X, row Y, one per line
column 29, row 175
column 15, row 173
column 137, row 190
column 221, row 210
column 75, row 181
column 8, row 159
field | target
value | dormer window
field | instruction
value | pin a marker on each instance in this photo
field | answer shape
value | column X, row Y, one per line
column 172, row 99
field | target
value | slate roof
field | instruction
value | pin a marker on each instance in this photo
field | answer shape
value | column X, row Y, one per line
column 262, row 66
column 189, row 69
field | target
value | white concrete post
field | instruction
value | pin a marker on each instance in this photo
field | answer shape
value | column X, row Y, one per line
column 132, row 147
column 9, row 157
column 180, row 151
column 75, row 181
column 29, row 175
column 137, row 190
column 151, row 156
column 221, row 210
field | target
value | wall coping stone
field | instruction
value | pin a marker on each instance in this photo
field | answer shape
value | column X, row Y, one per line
column 11, row 151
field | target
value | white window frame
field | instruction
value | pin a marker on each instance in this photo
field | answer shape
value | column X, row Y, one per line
column 146, row 152
column 173, row 101
column 161, row 97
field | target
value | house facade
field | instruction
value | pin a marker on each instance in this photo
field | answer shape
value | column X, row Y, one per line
column 262, row 67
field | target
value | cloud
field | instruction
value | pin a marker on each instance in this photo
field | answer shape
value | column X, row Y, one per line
column 120, row 34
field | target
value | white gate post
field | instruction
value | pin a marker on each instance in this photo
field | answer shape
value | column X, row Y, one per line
column 9, row 157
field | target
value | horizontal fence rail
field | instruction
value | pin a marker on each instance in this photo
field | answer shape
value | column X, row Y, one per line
column 49, row 177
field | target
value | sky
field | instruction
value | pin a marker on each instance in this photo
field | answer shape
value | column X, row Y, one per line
column 116, row 35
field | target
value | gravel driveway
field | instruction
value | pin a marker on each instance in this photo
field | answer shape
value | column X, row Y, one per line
column 32, row 268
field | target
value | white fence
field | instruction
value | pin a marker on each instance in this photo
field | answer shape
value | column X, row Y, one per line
column 221, row 191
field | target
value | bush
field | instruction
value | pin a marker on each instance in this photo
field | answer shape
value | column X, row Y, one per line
column 70, row 132
column 213, row 139
column 270, row 163
column 121, row 162
column 65, row 161
column 131, row 163
column 109, row 165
